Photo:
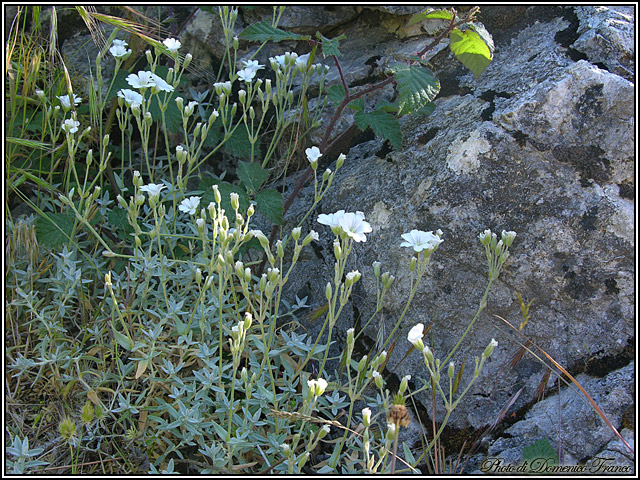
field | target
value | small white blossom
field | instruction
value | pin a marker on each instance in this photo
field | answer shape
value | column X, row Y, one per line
column 189, row 205
column 415, row 335
column 130, row 96
column 301, row 61
column 313, row 154
column 354, row 226
column 120, row 43
column 317, row 386
column 143, row 79
column 246, row 75
column 332, row 220
column 66, row 104
column 161, row 84
column 152, row 189
column 70, row 125
column 119, row 51
column 419, row 240
column 172, row 44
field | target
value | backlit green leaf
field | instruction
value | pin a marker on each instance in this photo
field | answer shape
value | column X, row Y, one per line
column 472, row 46
column 430, row 14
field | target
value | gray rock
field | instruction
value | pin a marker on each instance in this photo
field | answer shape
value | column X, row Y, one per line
column 607, row 35
column 582, row 432
column 548, row 163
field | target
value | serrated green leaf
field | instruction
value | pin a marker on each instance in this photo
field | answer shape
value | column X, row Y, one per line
column 385, row 106
column 238, row 144
column 54, row 229
column 357, row 105
column 252, row 175
column 118, row 218
column 417, row 86
column 430, row 14
column 330, row 46
column 336, row 93
column 473, row 47
column 264, row 32
column 270, row 203
column 383, row 124
column 427, row 110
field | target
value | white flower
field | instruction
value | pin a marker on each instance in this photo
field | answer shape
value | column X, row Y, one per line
column 249, row 71
column 119, row 51
column 317, row 386
column 188, row 110
column 419, row 240
column 64, row 101
column 120, row 43
column 354, row 226
column 189, row 205
column 143, row 79
column 332, row 219
column 246, row 75
column 152, row 189
column 161, row 84
column 222, row 87
column 415, row 335
column 252, row 65
column 313, row 154
column 172, row 44
column 301, row 61
column 70, row 125
column 130, row 96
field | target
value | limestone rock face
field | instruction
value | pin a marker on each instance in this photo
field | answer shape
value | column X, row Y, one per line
column 539, row 144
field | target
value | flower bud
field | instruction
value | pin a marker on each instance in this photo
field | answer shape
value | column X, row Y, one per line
column 362, row 364
column 149, row 57
column 404, row 383
column 247, row 274
column 187, row 60
column 350, row 337
column 216, row 193
column 412, row 264
column 428, row 354
column 295, row 233
column 366, row 417
column 489, row 350
column 242, row 96
column 391, row 432
column 312, row 235
column 340, row 161
column 328, row 291
column 198, row 276
column 235, row 201
column 377, row 378
column 451, row 372
column 180, row 103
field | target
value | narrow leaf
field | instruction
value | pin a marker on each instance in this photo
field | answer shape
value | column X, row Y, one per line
column 264, row 32
column 383, row 124
column 417, row 86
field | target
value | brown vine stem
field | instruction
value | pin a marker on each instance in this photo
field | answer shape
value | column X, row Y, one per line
column 348, row 97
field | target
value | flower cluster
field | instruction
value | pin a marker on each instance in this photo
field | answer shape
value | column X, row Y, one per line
column 350, row 224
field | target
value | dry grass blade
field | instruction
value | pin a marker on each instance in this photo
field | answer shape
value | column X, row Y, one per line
column 574, row 381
